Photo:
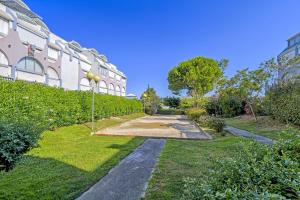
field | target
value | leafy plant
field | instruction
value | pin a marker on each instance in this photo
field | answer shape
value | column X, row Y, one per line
column 172, row 102
column 195, row 113
column 215, row 123
column 150, row 101
column 15, row 139
column 255, row 172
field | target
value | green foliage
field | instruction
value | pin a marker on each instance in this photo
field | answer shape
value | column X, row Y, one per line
column 51, row 107
column 150, row 101
column 284, row 101
column 214, row 123
column 245, row 86
column 198, row 76
column 170, row 111
column 231, row 106
column 172, row 102
column 187, row 103
column 15, row 139
column 255, row 172
column 195, row 113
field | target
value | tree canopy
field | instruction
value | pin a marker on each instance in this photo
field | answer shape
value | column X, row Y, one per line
column 197, row 76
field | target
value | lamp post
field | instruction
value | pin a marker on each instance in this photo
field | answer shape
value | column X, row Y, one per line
column 91, row 77
column 144, row 101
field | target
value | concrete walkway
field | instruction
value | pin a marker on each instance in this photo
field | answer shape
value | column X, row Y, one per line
column 246, row 134
column 158, row 126
column 128, row 180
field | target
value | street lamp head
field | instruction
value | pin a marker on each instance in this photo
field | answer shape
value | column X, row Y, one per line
column 97, row 78
column 90, row 76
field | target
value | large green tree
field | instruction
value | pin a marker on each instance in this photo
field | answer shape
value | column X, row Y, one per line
column 197, row 76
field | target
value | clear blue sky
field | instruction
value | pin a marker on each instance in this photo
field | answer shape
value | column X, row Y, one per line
column 146, row 38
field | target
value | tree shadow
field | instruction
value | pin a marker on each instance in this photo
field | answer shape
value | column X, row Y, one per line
column 47, row 178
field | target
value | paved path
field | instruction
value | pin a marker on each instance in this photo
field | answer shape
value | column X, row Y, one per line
column 128, row 180
column 246, row 134
column 159, row 126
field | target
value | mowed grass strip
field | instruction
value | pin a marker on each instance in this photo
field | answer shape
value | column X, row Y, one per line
column 66, row 162
column 186, row 158
column 265, row 126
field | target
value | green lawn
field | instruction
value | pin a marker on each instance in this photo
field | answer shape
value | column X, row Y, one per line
column 66, row 162
column 265, row 126
column 186, row 158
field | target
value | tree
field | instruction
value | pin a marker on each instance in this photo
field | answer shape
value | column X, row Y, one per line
column 150, row 101
column 172, row 102
column 246, row 85
column 197, row 76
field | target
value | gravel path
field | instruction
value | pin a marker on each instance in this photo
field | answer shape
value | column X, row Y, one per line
column 158, row 126
column 128, row 180
column 246, row 134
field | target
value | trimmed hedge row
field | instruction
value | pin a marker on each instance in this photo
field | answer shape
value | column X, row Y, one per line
column 54, row 107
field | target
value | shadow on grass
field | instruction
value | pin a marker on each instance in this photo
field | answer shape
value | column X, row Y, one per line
column 47, row 178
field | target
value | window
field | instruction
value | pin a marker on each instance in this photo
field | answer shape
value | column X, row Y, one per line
column 3, row 59
column 103, row 71
column 4, row 25
column 85, row 84
column 111, row 74
column 103, row 87
column 118, row 91
column 52, row 53
column 111, row 89
column 29, row 64
column 118, row 77
column 123, row 91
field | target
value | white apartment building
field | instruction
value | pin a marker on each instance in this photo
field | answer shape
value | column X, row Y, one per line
column 30, row 51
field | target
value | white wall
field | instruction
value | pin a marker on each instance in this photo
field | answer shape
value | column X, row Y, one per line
column 69, row 72
column 5, row 71
column 27, row 36
column 20, row 75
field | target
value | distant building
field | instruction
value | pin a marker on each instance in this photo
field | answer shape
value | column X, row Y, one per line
column 30, row 51
column 131, row 96
column 292, row 50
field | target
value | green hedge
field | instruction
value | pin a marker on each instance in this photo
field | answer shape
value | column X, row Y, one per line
column 284, row 102
column 55, row 107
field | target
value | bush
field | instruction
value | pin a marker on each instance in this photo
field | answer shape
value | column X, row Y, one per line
column 170, row 112
column 195, row 113
column 231, row 106
column 212, row 122
column 54, row 107
column 172, row 102
column 284, row 102
column 15, row 139
column 213, row 107
column 255, row 172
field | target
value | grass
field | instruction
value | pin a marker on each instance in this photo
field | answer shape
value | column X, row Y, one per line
column 66, row 162
column 186, row 158
column 265, row 126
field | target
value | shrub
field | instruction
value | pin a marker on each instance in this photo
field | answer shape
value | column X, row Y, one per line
column 195, row 113
column 212, row 122
column 231, row 106
column 172, row 102
column 284, row 102
column 255, row 172
column 170, row 112
column 54, row 107
column 15, row 139
column 213, row 107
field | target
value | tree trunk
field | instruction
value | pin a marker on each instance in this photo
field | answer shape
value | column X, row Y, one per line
column 251, row 108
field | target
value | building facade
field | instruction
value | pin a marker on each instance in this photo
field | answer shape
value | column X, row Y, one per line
column 292, row 51
column 30, row 51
